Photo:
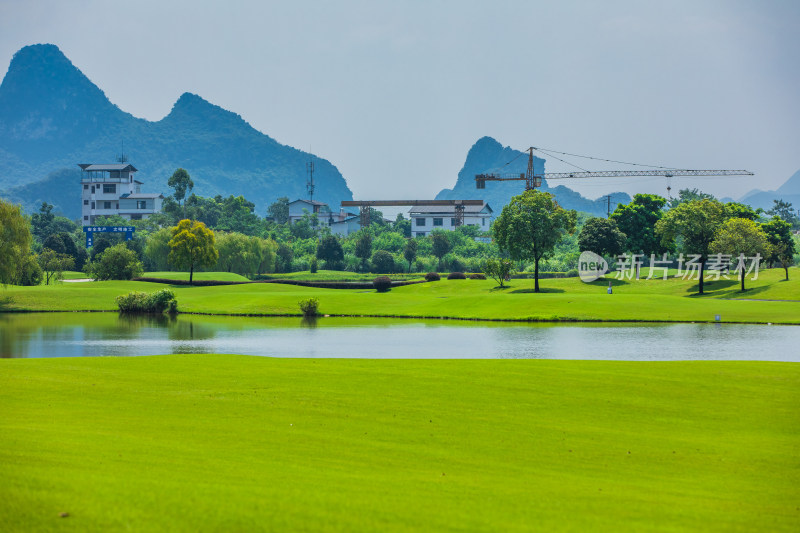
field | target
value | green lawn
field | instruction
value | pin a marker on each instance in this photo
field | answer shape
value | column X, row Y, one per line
column 237, row 443
column 216, row 276
column 562, row 299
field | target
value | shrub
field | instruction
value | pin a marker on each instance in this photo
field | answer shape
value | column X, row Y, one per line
column 382, row 284
column 382, row 262
column 116, row 262
column 141, row 302
column 432, row 276
column 477, row 276
column 499, row 269
column 309, row 306
column 456, row 275
column 30, row 273
column 455, row 263
column 312, row 266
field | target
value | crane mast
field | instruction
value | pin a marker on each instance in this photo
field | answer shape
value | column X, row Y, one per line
column 533, row 181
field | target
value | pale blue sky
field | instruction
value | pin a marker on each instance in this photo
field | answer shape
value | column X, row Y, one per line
column 395, row 93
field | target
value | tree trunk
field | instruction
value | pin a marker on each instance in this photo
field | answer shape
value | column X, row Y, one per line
column 786, row 269
column 536, row 275
column 741, row 274
column 191, row 273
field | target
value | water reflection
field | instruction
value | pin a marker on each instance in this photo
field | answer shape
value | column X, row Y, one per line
column 109, row 334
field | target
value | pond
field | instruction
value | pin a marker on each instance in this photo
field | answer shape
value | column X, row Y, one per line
column 109, row 334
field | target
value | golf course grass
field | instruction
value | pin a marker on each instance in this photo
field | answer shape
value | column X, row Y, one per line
column 768, row 299
column 238, row 443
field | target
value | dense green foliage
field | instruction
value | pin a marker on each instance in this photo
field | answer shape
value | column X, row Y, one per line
column 499, row 270
column 191, row 246
column 116, row 262
column 637, row 221
column 54, row 264
column 15, row 242
column 142, row 302
column 601, row 236
column 224, row 442
column 743, row 239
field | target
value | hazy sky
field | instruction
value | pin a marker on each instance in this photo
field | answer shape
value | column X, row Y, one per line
column 394, row 93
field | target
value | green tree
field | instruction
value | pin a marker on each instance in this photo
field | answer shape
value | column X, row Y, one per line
column 410, row 252
column 62, row 243
column 54, row 264
column 695, row 223
column 284, row 257
column 15, row 242
column 737, row 210
column 236, row 254
column 530, row 226
column 192, row 246
column 441, row 245
column 784, row 211
column 741, row 236
column 402, row 225
column 116, row 262
column 266, row 251
column 279, row 210
column 156, row 250
column 601, row 236
column 637, row 220
column 382, row 262
column 689, row 195
column 330, row 250
column 42, row 221
column 779, row 235
column 363, row 249
column 499, row 269
column 182, row 183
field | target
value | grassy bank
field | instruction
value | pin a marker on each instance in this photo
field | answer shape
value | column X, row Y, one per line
column 769, row 299
column 213, row 442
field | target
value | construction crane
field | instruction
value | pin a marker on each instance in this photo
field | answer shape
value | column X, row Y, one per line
column 532, row 180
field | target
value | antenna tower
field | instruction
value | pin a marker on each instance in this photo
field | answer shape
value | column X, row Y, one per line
column 310, row 183
column 121, row 158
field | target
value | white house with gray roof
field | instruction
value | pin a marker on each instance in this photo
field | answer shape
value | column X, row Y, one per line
column 426, row 218
column 112, row 190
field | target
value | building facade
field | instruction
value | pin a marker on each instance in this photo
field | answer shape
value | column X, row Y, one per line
column 426, row 218
column 341, row 223
column 112, row 190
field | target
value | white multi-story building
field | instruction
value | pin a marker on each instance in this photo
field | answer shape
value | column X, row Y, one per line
column 426, row 218
column 112, row 190
column 341, row 223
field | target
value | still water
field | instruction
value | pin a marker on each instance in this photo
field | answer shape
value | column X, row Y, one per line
column 108, row 334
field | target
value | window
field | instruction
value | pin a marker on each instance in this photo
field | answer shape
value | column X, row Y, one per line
column 136, row 217
column 92, row 189
column 106, row 205
column 420, row 234
column 141, row 204
column 86, row 202
column 438, row 222
column 85, row 217
column 420, row 222
column 483, row 221
column 452, row 222
column 85, row 187
column 109, row 188
column 92, row 205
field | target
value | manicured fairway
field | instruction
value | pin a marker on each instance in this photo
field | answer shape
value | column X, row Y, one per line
column 769, row 299
column 236, row 443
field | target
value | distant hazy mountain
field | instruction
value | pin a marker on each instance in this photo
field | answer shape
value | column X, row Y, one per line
column 788, row 192
column 52, row 117
column 488, row 155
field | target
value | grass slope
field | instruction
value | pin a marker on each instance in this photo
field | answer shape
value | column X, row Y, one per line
column 214, row 442
column 769, row 299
